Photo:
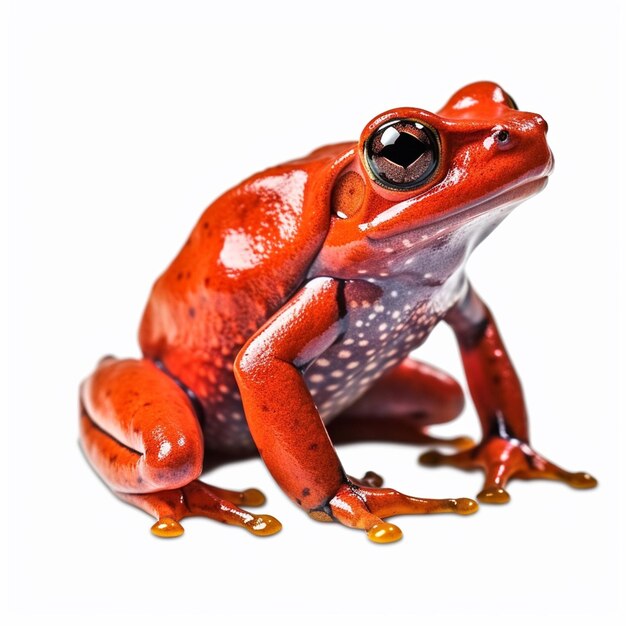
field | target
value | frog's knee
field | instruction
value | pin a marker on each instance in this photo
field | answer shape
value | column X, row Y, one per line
column 172, row 460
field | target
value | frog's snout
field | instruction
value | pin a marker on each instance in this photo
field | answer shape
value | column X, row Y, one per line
column 550, row 164
column 535, row 127
column 543, row 125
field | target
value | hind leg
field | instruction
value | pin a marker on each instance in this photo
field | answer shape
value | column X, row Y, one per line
column 400, row 407
column 139, row 431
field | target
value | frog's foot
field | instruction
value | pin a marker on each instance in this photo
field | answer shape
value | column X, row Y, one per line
column 502, row 459
column 200, row 499
column 366, row 508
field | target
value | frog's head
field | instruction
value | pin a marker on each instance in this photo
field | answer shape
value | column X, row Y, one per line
column 419, row 180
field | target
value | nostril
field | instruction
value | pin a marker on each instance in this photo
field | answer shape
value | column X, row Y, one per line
column 502, row 136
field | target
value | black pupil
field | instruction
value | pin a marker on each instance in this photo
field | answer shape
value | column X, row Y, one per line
column 405, row 150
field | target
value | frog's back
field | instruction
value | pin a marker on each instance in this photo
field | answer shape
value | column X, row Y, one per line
column 248, row 253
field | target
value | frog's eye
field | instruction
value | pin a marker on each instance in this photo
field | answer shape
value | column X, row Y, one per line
column 402, row 154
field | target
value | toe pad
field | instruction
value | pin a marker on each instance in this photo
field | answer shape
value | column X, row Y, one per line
column 384, row 533
column 167, row 527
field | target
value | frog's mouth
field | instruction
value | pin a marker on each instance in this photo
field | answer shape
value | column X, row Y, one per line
column 501, row 202
column 394, row 221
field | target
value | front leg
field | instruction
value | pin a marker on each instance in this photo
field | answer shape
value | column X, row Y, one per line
column 287, row 427
column 504, row 451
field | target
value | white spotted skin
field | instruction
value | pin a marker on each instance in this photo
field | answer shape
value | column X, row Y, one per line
column 378, row 335
column 418, row 277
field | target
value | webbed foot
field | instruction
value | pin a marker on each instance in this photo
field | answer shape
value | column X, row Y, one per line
column 199, row 499
column 503, row 459
column 366, row 508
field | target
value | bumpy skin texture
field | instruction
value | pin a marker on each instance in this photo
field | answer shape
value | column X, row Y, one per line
column 288, row 317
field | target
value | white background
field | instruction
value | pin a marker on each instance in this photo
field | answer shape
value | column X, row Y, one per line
column 126, row 120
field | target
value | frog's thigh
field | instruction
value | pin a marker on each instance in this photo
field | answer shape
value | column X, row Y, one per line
column 400, row 405
column 140, row 433
column 138, row 428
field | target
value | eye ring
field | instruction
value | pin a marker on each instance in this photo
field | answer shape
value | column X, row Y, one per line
column 402, row 154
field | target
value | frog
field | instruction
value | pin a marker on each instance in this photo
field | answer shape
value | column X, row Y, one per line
column 288, row 322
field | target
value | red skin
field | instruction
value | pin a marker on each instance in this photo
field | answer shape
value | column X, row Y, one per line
column 295, row 302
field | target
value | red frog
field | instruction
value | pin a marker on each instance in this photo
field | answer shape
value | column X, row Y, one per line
column 287, row 320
